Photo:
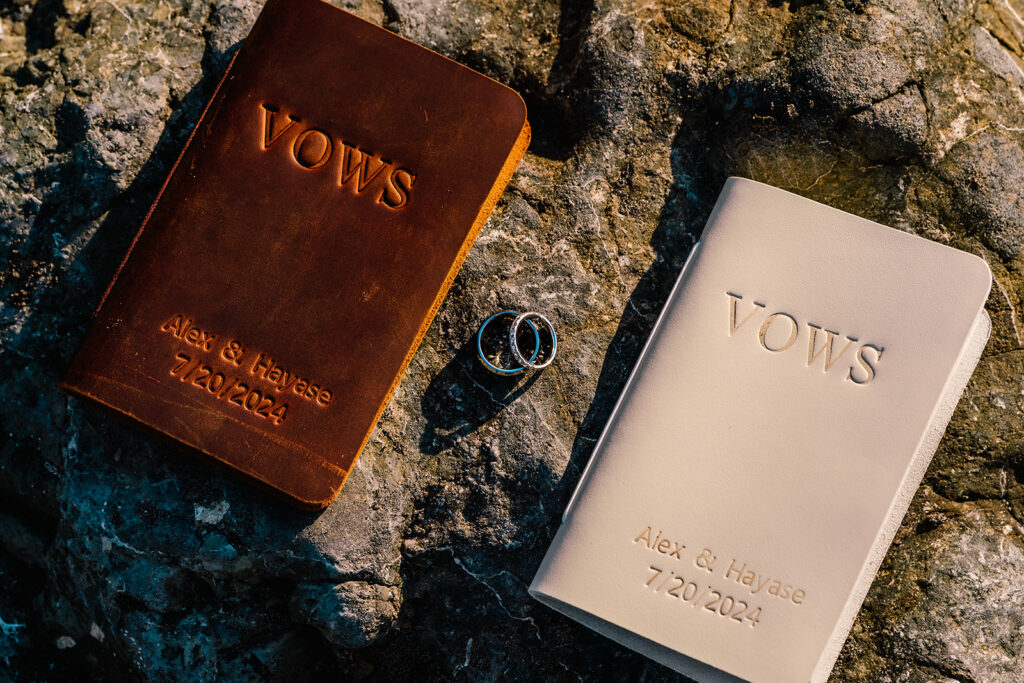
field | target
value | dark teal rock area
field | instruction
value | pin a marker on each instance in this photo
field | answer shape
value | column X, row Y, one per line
column 123, row 558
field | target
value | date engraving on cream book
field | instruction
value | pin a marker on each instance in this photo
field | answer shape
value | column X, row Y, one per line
column 702, row 596
column 228, row 371
column 701, row 579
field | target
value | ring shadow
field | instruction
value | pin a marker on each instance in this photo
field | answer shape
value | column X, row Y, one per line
column 454, row 408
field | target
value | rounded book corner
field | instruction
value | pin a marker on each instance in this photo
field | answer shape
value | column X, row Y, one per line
column 980, row 271
column 734, row 180
column 314, row 499
column 518, row 117
column 522, row 114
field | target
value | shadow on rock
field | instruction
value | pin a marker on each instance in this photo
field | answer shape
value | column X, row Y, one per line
column 687, row 206
column 454, row 407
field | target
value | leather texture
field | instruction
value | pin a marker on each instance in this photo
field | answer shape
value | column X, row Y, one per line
column 769, row 440
column 300, row 247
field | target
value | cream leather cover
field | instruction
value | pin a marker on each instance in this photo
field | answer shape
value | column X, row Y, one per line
column 769, row 440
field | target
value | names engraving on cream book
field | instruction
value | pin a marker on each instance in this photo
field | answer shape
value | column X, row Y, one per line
column 228, row 371
column 779, row 331
column 701, row 580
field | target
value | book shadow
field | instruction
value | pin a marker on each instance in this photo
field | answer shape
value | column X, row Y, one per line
column 454, row 407
column 695, row 187
column 83, row 189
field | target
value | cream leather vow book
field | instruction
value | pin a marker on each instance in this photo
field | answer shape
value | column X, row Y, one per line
column 769, row 439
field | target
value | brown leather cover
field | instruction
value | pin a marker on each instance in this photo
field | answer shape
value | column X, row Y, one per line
column 300, row 247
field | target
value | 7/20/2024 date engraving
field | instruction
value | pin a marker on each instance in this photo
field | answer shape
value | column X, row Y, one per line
column 706, row 598
column 231, row 389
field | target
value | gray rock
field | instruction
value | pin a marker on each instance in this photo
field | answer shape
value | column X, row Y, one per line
column 126, row 558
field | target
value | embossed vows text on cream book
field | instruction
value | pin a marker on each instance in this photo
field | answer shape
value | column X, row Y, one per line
column 769, row 439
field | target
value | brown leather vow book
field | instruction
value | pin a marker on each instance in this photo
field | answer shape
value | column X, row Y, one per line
column 300, row 247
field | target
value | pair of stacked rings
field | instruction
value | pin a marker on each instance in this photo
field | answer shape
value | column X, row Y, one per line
column 524, row 362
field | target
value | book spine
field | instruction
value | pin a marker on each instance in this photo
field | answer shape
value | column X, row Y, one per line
column 596, row 453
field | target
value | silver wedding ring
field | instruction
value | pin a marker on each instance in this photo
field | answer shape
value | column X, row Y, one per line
column 529, row 317
column 517, row 353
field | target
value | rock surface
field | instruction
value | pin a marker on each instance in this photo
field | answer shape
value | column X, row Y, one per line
column 124, row 558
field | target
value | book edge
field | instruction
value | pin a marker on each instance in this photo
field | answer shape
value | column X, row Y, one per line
column 449, row 60
column 664, row 655
column 978, row 265
column 251, row 474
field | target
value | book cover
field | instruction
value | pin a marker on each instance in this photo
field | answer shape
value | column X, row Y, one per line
column 300, row 247
column 769, row 440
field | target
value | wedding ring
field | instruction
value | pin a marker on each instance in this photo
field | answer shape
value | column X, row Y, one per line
column 513, row 342
column 491, row 366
